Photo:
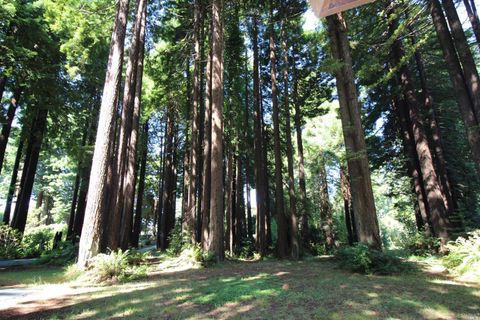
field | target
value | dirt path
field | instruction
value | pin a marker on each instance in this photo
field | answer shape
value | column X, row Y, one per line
column 18, row 302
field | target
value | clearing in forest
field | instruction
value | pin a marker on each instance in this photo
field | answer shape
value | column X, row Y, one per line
column 310, row 289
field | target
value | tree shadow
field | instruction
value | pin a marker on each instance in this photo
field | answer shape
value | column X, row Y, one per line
column 272, row 289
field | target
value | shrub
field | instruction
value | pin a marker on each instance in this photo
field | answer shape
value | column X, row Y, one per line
column 38, row 241
column 178, row 241
column 136, row 258
column 420, row 244
column 108, row 266
column 464, row 254
column 205, row 258
column 247, row 249
column 363, row 259
column 65, row 253
column 10, row 243
column 118, row 265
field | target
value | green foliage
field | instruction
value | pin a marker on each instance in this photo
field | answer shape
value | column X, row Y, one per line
column 38, row 241
column 118, row 266
column 10, row 243
column 317, row 249
column 196, row 252
column 464, row 254
column 178, row 241
column 247, row 249
column 63, row 254
column 114, row 264
column 420, row 244
column 363, row 259
column 136, row 258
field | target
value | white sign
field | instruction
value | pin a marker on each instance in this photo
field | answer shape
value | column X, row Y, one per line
column 323, row 8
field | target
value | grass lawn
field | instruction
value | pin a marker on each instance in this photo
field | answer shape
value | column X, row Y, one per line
column 311, row 289
column 36, row 275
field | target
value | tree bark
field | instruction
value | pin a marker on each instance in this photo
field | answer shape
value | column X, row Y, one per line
column 455, row 72
column 294, row 243
column 240, row 232
column 436, row 141
column 347, row 205
column 325, row 209
column 247, row 147
column 137, row 226
column 266, row 178
column 303, row 214
column 13, row 183
column 195, row 146
column 282, row 244
column 473, row 17
column 229, row 210
column 207, row 150
column 216, row 244
column 361, row 186
column 413, row 165
column 115, row 231
column 169, row 182
column 161, row 185
column 258, row 145
column 29, row 169
column 96, row 210
column 438, row 214
column 465, row 56
column 7, row 126
column 131, row 156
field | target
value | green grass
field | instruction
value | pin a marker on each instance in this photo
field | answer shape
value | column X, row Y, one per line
column 33, row 276
column 312, row 289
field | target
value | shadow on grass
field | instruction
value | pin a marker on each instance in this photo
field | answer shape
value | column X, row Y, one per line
column 274, row 289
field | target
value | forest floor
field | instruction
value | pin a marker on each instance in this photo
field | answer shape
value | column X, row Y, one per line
column 311, row 289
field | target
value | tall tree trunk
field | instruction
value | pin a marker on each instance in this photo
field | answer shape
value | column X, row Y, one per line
column 29, row 169
column 472, row 79
column 413, row 165
column 169, row 182
column 303, row 214
column 240, row 231
column 161, row 185
column 362, row 193
column 455, row 72
column 436, row 141
column 126, row 125
column 207, row 150
column 294, row 243
column 258, row 145
column 131, row 156
column 195, row 147
column 229, row 210
column 347, row 205
column 266, row 178
column 438, row 214
column 282, row 244
column 78, row 179
column 249, row 222
column 96, row 210
column 13, row 183
column 474, row 20
column 187, row 151
column 73, row 206
column 137, row 226
column 7, row 126
column 201, row 121
column 247, row 147
column 216, row 244
column 325, row 209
